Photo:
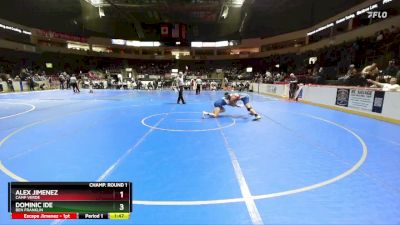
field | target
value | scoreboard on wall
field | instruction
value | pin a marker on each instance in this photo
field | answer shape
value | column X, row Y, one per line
column 70, row 200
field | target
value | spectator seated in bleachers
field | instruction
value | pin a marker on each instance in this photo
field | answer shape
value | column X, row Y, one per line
column 392, row 69
column 370, row 71
column 391, row 86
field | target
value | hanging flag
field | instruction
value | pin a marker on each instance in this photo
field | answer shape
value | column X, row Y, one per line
column 164, row 30
column 183, row 30
column 175, row 31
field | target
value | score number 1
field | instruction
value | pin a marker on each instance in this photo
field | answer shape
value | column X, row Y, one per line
column 121, row 206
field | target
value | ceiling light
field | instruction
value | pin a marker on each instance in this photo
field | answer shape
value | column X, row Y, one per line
column 237, row 2
column 225, row 12
column 101, row 12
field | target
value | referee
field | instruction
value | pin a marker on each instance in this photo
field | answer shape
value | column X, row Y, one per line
column 180, row 85
column 199, row 82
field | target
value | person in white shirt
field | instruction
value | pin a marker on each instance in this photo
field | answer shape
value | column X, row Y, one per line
column 193, row 84
column 226, row 83
column 74, row 84
column 278, row 77
column 213, row 86
column 391, row 86
column 199, row 82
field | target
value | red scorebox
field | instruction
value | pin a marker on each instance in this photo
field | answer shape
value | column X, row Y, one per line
column 44, row 216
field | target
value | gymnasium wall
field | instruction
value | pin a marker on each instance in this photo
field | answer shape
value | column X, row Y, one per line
column 362, row 101
column 24, row 84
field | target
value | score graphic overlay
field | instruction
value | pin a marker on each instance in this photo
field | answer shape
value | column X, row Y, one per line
column 70, row 200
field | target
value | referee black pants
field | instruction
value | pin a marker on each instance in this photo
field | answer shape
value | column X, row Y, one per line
column 180, row 97
column 292, row 90
column 75, row 87
column 198, row 87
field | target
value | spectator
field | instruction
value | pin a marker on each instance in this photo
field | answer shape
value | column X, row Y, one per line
column 278, row 77
column 62, row 80
column 74, row 84
column 150, row 85
column 391, row 86
column 292, row 85
column 398, row 77
column 31, row 83
column 370, row 72
column 91, row 86
column 392, row 69
column 319, row 75
column 21, row 87
column 156, row 84
column 50, row 82
column 356, row 80
column 68, row 80
column 42, row 86
column 134, row 84
column 10, row 85
column 379, row 37
column 350, row 72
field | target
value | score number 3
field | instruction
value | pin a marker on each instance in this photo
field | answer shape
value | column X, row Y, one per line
column 121, row 206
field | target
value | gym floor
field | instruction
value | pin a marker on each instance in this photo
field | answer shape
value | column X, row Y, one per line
column 300, row 164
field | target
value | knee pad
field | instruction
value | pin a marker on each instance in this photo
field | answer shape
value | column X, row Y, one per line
column 249, row 109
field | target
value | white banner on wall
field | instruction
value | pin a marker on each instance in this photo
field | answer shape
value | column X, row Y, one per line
column 154, row 77
column 271, row 89
column 361, row 99
column 385, row 105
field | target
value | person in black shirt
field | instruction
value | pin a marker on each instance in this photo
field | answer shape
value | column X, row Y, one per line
column 292, row 85
column 398, row 77
column 392, row 69
column 356, row 80
column 62, row 80
column 181, row 84
column 31, row 83
column 10, row 85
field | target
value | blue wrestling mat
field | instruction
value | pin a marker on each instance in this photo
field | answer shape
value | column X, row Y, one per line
column 300, row 164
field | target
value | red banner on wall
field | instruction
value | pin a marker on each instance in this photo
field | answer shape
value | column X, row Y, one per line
column 58, row 35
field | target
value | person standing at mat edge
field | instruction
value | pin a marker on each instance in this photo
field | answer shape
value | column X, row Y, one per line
column 180, row 82
column 74, row 84
column 199, row 82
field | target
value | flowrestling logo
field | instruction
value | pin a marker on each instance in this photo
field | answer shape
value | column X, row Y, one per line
column 377, row 14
